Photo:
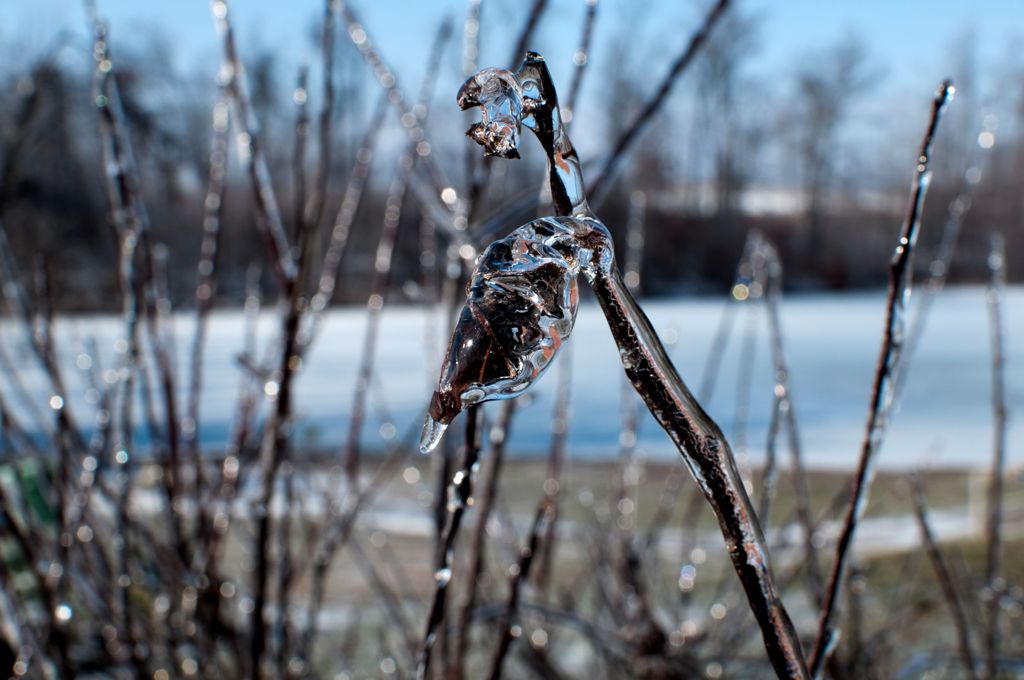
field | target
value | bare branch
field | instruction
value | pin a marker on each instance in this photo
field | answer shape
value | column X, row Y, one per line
column 942, row 573
column 994, row 516
column 602, row 185
column 889, row 364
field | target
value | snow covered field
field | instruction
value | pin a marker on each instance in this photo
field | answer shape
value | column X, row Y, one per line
column 832, row 344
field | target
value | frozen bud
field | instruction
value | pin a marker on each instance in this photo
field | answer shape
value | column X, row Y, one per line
column 521, row 308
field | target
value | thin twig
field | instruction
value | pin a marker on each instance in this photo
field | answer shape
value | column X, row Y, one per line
column 938, row 562
column 342, row 521
column 994, row 515
column 314, row 206
column 520, row 573
column 942, row 261
column 599, row 189
column 889, row 363
column 460, row 493
column 489, row 476
column 581, row 58
column 343, row 220
column 786, row 411
column 252, row 154
column 410, row 121
column 384, row 259
column 207, row 270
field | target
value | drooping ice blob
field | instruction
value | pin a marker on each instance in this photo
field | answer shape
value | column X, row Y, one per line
column 521, row 307
column 499, row 95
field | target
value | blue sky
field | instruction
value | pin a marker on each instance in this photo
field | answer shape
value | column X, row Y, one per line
column 908, row 37
column 910, row 43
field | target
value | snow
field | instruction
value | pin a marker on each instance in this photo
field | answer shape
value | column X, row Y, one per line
column 832, row 343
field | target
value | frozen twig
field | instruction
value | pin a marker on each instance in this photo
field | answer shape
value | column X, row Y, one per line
column 994, row 515
column 314, row 206
column 251, row 152
column 489, row 476
column 131, row 221
column 580, row 58
column 599, row 189
column 500, row 345
column 944, row 576
column 206, row 274
column 383, row 259
column 460, row 493
column 553, row 481
column 342, row 521
column 785, row 411
column 343, row 220
column 889, row 363
column 942, row 261
column 523, row 42
column 520, row 573
column 409, row 119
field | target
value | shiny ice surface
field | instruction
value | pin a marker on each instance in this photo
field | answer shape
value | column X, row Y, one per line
column 521, row 307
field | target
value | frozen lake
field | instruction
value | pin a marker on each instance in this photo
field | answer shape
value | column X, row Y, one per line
column 832, row 342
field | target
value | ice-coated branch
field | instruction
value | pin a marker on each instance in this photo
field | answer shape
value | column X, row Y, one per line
column 942, row 573
column 459, row 496
column 599, row 189
column 251, row 152
column 383, row 259
column 343, row 220
column 520, row 574
column 994, row 514
column 207, row 268
column 410, row 121
column 314, row 206
column 580, row 58
column 785, row 412
column 942, row 260
column 522, row 305
column 889, row 360
column 489, row 476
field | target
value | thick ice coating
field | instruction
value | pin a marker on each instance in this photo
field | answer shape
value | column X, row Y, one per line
column 499, row 95
column 521, row 307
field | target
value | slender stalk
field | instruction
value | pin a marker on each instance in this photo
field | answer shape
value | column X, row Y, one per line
column 409, row 119
column 580, row 58
column 553, row 481
column 942, row 261
column 343, row 220
column 519, row 573
column 785, row 411
column 460, row 493
column 490, row 474
column 943, row 574
column 207, row 270
column 599, row 189
column 342, row 522
column 532, row 19
column 994, row 515
column 252, row 154
column 383, row 260
column 889, row 364
column 131, row 222
column 314, row 206
column 386, row 596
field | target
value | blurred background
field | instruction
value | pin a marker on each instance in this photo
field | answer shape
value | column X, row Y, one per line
column 161, row 362
column 796, row 119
